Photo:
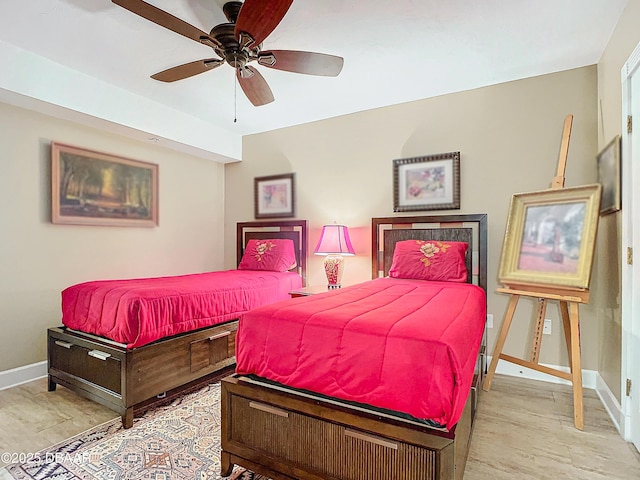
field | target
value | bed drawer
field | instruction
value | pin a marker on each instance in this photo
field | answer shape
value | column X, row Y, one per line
column 295, row 439
column 212, row 350
column 122, row 378
column 93, row 365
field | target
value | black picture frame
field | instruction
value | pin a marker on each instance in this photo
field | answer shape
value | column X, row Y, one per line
column 275, row 196
column 609, row 176
column 429, row 182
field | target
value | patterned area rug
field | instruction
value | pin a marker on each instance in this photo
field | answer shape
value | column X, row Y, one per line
column 179, row 441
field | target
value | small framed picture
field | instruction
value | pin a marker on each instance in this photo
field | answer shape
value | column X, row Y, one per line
column 609, row 177
column 550, row 237
column 275, row 196
column 427, row 183
column 96, row 188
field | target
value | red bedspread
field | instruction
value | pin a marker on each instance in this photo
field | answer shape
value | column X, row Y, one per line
column 139, row 311
column 404, row 345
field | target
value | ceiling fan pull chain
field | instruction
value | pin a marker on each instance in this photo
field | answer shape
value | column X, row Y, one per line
column 235, row 96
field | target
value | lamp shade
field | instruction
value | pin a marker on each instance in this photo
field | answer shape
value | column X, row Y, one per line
column 334, row 240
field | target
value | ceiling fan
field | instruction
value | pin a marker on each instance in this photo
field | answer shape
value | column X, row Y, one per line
column 238, row 43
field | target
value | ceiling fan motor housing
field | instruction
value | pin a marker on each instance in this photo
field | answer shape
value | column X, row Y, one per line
column 232, row 52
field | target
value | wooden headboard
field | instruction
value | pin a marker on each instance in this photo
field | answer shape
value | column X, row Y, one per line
column 295, row 230
column 386, row 231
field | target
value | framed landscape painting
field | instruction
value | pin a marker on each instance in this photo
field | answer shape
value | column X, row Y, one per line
column 274, row 196
column 427, row 183
column 95, row 188
column 550, row 237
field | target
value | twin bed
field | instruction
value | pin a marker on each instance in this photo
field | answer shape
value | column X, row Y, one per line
column 125, row 342
column 374, row 381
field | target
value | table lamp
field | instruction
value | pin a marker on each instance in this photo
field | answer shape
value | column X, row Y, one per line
column 334, row 242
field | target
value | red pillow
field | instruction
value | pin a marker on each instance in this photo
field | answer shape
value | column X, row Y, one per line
column 430, row 260
column 276, row 254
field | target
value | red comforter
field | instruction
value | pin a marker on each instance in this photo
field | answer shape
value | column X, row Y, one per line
column 404, row 345
column 139, row 311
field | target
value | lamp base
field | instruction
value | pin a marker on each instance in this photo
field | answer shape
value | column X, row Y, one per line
column 333, row 268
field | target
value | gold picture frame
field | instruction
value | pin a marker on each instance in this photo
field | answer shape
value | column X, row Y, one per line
column 96, row 188
column 550, row 237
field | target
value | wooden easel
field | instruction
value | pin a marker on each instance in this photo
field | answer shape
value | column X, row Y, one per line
column 569, row 299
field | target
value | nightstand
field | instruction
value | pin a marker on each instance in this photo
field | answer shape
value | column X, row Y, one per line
column 306, row 291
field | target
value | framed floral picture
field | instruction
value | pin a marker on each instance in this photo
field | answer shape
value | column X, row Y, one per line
column 550, row 237
column 427, row 183
column 274, row 196
column 96, row 188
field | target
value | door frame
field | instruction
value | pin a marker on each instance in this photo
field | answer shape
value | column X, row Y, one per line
column 630, row 308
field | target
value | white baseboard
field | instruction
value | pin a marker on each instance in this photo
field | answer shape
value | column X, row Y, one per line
column 20, row 375
column 513, row 370
column 611, row 404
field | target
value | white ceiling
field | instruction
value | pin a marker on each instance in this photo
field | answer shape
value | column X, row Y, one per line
column 92, row 57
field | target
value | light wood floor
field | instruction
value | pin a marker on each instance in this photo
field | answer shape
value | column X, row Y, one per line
column 524, row 430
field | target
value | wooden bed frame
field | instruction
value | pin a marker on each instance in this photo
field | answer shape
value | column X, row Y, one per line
column 124, row 379
column 288, row 434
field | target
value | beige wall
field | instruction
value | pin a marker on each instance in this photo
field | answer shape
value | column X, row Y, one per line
column 39, row 259
column 509, row 139
column 607, row 289
column 508, row 135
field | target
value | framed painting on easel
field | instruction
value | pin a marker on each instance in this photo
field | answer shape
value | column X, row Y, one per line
column 550, row 237
column 547, row 254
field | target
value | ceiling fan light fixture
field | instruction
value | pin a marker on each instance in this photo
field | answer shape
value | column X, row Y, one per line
column 236, row 59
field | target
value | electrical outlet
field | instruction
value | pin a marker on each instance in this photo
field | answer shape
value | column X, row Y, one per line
column 546, row 330
column 489, row 320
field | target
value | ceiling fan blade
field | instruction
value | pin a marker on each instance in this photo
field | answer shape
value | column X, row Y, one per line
column 259, row 18
column 166, row 20
column 254, row 86
column 309, row 63
column 187, row 70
